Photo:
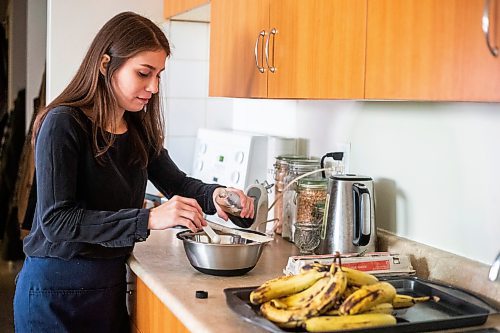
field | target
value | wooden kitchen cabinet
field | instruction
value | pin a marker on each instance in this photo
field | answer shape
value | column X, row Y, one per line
column 234, row 28
column 175, row 7
column 150, row 315
column 318, row 49
column 431, row 50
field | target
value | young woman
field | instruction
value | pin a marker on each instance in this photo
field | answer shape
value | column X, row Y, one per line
column 96, row 145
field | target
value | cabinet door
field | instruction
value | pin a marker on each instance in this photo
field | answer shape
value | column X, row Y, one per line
column 149, row 314
column 234, row 29
column 319, row 49
column 175, row 7
column 430, row 50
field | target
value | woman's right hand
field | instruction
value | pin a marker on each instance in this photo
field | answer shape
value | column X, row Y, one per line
column 177, row 211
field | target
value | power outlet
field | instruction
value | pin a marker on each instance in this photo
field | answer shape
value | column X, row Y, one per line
column 345, row 148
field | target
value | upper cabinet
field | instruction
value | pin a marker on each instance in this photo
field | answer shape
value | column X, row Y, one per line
column 288, row 48
column 176, row 7
column 235, row 30
column 423, row 50
column 433, row 50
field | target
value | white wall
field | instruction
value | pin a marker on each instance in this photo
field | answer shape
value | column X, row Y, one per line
column 36, row 50
column 435, row 164
column 185, row 91
column 17, row 51
column 71, row 26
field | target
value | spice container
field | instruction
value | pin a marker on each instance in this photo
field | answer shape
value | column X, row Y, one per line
column 296, row 169
column 280, row 172
column 307, row 237
column 310, row 192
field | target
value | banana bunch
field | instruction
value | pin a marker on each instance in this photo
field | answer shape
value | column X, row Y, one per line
column 355, row 278
column 284, row 286
column 325, row 298
column 326, row 291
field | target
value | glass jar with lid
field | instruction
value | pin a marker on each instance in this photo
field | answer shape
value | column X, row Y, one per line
column 319, row 212
column 296, row 169
column 307, row 235
column 310, row 192
column 280, row 172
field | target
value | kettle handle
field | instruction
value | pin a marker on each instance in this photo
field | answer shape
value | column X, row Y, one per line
column 362, row 214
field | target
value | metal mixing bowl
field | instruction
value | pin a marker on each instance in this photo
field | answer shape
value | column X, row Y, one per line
column 233, row 256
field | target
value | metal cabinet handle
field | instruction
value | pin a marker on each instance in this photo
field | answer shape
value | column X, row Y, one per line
column 261, row 34
column 273, row 32
column 486, row 28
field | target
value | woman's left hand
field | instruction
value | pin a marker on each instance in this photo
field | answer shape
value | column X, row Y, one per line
column 247, row 203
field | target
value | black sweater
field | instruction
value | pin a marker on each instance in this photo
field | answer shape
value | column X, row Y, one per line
column 92, row 210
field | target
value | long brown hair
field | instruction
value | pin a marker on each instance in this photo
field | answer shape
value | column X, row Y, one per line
column 122, row 37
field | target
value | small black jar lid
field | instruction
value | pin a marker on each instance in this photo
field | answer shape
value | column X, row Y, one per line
column 201, row 294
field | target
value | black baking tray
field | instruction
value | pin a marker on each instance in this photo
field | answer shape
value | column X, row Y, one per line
column 456, row 308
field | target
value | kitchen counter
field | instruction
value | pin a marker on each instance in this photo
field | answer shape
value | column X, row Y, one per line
column 438, row 265
column 162, row 265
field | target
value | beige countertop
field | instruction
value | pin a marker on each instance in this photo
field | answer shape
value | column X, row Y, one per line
column 163, row 266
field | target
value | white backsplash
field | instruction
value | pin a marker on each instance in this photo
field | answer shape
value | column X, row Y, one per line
column 185, row 92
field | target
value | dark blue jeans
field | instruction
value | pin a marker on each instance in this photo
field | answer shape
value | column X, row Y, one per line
column 78, row 295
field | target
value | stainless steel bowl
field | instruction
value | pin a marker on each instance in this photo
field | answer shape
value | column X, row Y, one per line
column 231, row 257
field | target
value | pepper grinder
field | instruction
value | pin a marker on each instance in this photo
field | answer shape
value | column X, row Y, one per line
column 231, row 204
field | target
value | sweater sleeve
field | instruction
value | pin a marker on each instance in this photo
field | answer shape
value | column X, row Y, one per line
column 170, row 181
column 64, row 218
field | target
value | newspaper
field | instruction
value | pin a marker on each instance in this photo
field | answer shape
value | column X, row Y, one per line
column 382, row 264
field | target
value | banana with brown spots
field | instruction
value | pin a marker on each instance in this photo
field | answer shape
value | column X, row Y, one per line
column 367, row 297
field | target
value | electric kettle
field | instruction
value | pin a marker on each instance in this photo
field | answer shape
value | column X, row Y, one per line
column 349, row 219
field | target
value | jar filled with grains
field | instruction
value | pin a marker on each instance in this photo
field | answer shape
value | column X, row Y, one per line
column 280, row 172
column 310, row 192
column 295, row 169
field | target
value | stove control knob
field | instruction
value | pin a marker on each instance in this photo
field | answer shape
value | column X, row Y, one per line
column 203, row 148
column 239, row 157
column 235, row 177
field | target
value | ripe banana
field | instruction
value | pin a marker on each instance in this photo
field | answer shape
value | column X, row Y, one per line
column 386, row 308
column 284, row 286
column 405, row 301
column 302, row 298
column 332, row 289
column 315, row 266
column 331, row 294
column 278, row 304
column 354, row 277
column 291, row 324
column 367, row 297
column 359, row 278
column 330, row 323
column 349, row 290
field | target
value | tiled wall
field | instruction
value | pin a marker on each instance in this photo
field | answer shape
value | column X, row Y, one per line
column 185, row 91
